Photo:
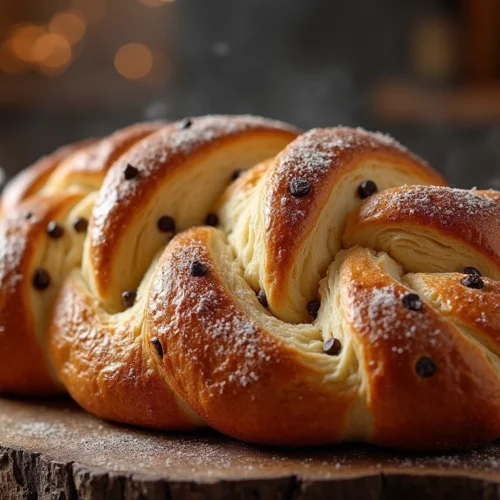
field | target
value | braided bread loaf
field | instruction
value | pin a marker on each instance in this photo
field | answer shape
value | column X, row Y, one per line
column 338, row 297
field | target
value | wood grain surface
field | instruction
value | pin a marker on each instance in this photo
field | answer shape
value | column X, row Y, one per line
column 53, row 450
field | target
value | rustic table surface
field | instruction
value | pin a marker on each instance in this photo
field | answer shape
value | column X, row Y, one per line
column 54, row 450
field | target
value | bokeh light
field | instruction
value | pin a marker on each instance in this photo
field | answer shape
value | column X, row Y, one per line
column 52, row 53
column 22, row 39
column 70, row 25
column 134, row 61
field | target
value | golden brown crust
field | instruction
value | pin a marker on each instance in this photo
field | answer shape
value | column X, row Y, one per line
column 242, row 378
column 25, row 244
column 477, row 311
column 333, row 162
column 452, row 217
column 162, row 160
column 219, row 326
column 458, row 406
column 324, row 157
column 239, row 377
column 135, row 383
column 24, row 365
column 110, row 368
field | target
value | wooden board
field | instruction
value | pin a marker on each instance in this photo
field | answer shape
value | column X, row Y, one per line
column 54, row 450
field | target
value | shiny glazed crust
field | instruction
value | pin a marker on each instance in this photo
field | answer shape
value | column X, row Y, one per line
column 103, row 353
column 242, row 373
column 329, row 303
column 53, row 189
column 24, row 367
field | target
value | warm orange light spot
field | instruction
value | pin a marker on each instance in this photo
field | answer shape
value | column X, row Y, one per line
column 92, row 10
column 9, row 63
column 52, row 51
column 70, row 25
column 22, row 39
column 133, row 61
column 156, row 3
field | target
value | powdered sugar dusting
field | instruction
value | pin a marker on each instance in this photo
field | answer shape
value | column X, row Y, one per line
column 378, row 313
column 312, row 155
column 13, row 235
column 316, row 151
column 225, row 345
column 150, row 156
column 446, row 205
column 225, row 333
column 210, row 128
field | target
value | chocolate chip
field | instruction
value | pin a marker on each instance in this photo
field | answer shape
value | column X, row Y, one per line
column 332, row 347
column 130, row 172
column 473, row 281
column 236, row 174
column 313, row 308
column 412, row 301
column 41, row 279
column 426, row 367
column 28, row 215
column 157, row 345
column 185, row 123
column 54, row 230
column 212, row 220
column 166, row 224
column 197, row 268
column 128, row 298
column 262, row 298
column 80, row 225
column 367, row 189
column 299, row 187
column 471, row 270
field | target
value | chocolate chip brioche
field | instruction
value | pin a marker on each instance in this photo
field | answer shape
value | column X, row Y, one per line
column 60, row 219
column 281, row 288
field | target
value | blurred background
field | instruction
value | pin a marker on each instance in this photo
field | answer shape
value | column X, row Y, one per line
column 426, row 71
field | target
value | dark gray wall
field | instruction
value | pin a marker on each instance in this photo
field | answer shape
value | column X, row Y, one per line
column 311, row 62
